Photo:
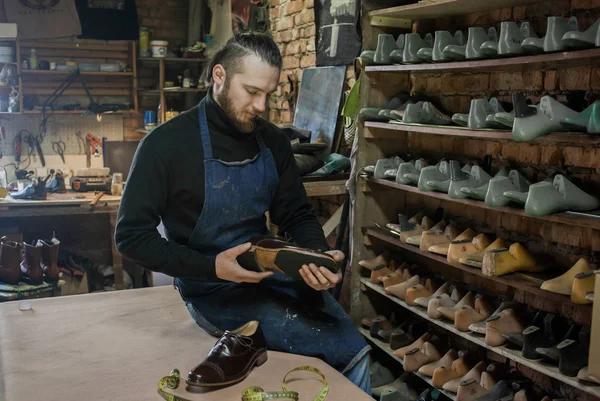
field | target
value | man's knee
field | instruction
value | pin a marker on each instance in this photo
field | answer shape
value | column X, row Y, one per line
column 360, row 373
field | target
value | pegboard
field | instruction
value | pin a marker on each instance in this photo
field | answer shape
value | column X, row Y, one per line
column 60, row 127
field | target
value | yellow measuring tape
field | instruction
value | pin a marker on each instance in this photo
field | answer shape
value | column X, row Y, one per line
column 253, row 393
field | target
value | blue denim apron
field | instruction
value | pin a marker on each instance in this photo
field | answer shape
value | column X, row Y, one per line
column 293, row 317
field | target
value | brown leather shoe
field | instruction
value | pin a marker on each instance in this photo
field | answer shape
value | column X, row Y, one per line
column 10, row 257
column 49, row 261
column 247, row 260
column 30, row 265
column 288, row 259
column 232, row 358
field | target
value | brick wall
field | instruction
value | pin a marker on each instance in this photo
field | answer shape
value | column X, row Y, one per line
column 167, row 20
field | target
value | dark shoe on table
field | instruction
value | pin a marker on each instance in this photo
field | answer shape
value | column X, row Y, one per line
column 232, row 358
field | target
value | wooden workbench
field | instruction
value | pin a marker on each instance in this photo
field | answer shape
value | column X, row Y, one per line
column 117, row 345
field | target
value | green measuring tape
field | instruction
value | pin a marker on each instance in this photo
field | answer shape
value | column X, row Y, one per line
column 253, row 393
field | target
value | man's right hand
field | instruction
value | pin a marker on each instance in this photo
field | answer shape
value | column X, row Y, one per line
column 227, row 267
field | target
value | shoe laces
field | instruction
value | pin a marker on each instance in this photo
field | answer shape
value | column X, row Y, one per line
column 228, row 338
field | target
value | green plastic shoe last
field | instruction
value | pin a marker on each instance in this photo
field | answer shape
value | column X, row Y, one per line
column 543, row 119
column 425, row 54
column 561, row 195
column 413, row 43
column 386, row 164
column 460, row 179
column 501, row 120
column 588, row 120
column 480, row 192
column 440, row 172
column 385, row 45
column 480, row 109
column 371, row 114
column 444, row 185
column 408, row 173
column 413, row 114
column 582, row 40
column 499, row 185
column 460, row 119
column 396, row 56
column 367, row 57
column 386, row 114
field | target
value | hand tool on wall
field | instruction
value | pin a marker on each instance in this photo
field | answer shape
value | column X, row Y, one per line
column 93, row 146
column 59, row 147
column 34, row 143
column 17, row 148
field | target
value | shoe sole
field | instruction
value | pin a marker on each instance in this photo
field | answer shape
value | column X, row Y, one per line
column 290, row 261
column 258, row 360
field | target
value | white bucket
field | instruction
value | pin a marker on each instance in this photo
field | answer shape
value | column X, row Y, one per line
column 159, row 48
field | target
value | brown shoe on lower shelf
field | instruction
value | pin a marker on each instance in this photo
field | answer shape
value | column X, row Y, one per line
column 457, row 370
column 399, row 290
column 476, row 259
column 505, row 261
column 450, row 312
column 459, row 249
column 438, row 237
column 480, row 327
column 563, row 284
column 418, row 291
column 31, row 264
column 583, row 285
column 379, row 323
column 473, row 374
column 442, row 249
column 443, row 362
column 232, row 358
column 379, row 261
column 437, row 302
column 400, row 352
column 10, row 257
column 379, row 273
column 468, row 315
column 424, row 301
column 49, row 261
column 470, row 390
column 416, row 358
column 506, row 322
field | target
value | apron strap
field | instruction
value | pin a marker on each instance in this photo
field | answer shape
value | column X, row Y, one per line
column 206, row 145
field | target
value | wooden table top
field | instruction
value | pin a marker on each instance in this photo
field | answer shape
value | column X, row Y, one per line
column 117, row 345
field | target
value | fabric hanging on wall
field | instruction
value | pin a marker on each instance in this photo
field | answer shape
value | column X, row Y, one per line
column 337, row 40
column 108, row 19
column 43, row 19
column 221, row 27
column 199, row 18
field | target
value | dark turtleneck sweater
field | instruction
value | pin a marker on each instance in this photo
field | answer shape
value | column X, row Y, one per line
column 166, row 181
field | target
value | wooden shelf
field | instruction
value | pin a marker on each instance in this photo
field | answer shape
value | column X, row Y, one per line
column 514, row 355
column 510, row 280
column 578, row 138
column 386, row 348
column 580, row 220
column 72, row 112
column 90, row 73
column 167, row 91
column 429, row 9
column 531, row 63
column 174, row 59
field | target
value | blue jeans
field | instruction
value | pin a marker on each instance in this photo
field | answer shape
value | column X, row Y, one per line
column 360, row 374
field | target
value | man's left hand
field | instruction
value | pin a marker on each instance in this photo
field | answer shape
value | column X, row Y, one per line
column 321, row 278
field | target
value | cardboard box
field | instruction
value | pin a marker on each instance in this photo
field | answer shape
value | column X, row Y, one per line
column 8, row 31
column 594, row 357
column 74, row 286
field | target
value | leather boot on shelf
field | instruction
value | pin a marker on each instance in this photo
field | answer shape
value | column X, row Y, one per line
column 561, row 195
column 416, row 239
column 418, row 291
column 506, row 321
column 30, row 265
column 585, row 376
column 49, row 261
column 500, row 391
column 552, row 354
column 442, row 249
column 467, row 315
column 400, row 352
column 431, row 238
column 399, row 290
column 460, row 249
column 379, row 323
column 424, row 301
column 547, row 334
column 416, row 358
column 441, row 376
column 583, row 286
column 450, row 312
column 505, row 261
column 436, row 303
column 470, row 390
column 564, row 283
column 573, row 355
column 476, row 259
column 443, row 362
column 10, row 257
column 473, row 374
column 381, row 260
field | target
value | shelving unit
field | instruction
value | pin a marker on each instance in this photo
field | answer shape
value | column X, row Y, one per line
column 511, row 354
column 385, row 347
column 379, row 201
column 163, row 92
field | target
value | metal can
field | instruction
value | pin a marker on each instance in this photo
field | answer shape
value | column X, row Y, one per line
column 170, row 114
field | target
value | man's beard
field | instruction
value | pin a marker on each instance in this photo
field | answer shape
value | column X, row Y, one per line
column 226, row 104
